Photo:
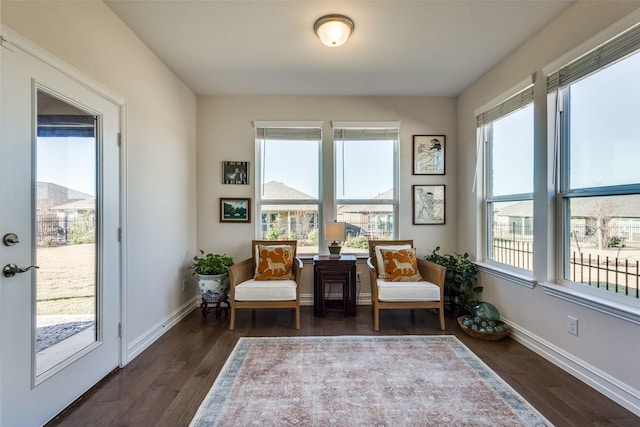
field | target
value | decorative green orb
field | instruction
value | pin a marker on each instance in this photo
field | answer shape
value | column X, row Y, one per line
column 485, row 311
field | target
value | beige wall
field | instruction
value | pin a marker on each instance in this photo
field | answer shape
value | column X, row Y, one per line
column 160, row 149
column 607, row 348
column 164, row 210
column 225, row 132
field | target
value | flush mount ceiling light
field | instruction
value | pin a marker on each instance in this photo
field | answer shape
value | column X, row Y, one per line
column 333, row 30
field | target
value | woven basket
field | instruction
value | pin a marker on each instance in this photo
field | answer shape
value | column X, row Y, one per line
column 489, row 336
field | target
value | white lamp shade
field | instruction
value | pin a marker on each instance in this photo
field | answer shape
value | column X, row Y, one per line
column 333, row 30
column 336, row 231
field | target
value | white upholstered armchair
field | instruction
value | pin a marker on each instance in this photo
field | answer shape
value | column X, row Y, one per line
column 400, row 280
column 269, row 279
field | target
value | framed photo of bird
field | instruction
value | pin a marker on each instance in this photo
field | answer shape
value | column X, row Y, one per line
column 428, row 154
column 235, row 172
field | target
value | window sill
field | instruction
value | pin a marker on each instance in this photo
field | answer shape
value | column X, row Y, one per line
column 503, row 273
column 594, row 302
column 580, row 297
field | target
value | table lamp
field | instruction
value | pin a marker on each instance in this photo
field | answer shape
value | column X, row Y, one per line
column 337, row 232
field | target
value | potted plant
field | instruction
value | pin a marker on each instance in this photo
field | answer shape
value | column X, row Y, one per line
column 461, row 290
column 212, row 272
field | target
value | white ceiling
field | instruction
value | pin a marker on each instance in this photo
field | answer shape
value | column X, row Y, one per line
column 398, row 47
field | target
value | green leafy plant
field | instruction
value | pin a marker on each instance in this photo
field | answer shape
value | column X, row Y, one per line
column 616, row 242
column 84, row 230
column 275, row 232
column 461, row 290
column 360, row 242
column 211, row 264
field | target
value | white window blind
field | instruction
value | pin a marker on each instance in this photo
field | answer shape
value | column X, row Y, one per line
column 600, row 57
column 514, row 103
column 365, row 134
column 289, row 134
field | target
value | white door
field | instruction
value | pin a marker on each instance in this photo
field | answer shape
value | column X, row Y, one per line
column 59, row 211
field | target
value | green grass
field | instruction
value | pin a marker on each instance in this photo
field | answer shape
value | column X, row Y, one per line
column 66, row 279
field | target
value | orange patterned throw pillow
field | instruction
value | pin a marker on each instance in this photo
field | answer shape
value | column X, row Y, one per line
column 274, row 263
column 400, row 265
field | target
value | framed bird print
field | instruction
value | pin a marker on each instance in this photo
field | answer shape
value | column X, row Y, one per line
column 428, row 205
column 428, row 154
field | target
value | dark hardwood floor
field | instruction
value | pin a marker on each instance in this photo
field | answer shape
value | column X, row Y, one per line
column 165, row 385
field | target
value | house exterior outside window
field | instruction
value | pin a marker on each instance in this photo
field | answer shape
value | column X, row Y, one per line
column 288, row 173
column 365, row 181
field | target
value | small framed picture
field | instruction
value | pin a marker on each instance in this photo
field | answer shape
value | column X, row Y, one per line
column 235, row 210
column 428, row 154
column 235, row 172
column 428, row 204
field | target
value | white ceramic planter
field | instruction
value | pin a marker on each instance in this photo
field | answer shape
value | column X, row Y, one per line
column 213, row 288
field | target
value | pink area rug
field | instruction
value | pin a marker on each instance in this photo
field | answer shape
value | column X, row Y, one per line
column 361, row 381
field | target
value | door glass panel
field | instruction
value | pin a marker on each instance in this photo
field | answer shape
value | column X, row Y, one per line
column 65, row 225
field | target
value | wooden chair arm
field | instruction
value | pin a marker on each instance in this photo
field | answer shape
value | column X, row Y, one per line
column 432, row 272
column 297, row 270
column 241, row 272
column 297, row 275
column 371, row 267
column 373, row 279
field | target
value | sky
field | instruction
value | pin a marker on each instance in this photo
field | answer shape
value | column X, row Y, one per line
column 513, row 153
column 70, row 162
column 368, row 167
column 605, row 126
column 605, row 134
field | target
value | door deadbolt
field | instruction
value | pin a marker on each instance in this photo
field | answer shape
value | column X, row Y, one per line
column 10, row 270
column 10, row 239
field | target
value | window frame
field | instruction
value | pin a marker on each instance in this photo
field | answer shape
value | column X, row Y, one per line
column 565, row 193
column 394, row 201
column 259, row 166
column 519, row 99
column 608, row 47
column 326, row 203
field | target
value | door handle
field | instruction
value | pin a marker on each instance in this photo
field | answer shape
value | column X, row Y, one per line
column 10, row 270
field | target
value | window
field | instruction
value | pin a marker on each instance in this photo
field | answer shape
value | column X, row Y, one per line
column 598, row 98
column 507, row 131
column 363, row 172
column 365, row 183
column 288, row 184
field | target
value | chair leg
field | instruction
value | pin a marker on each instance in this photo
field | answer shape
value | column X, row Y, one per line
column 441, row 316
column 298, row 317
column 232, row 320
column 376, row 319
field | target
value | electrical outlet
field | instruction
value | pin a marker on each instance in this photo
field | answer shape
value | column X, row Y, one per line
column 572, row 325
column 358, row 276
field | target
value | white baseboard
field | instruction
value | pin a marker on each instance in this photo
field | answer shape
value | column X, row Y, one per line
column 616, row 390
column 141, row 343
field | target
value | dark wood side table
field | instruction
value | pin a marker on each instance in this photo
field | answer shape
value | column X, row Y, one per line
column 327, row 271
